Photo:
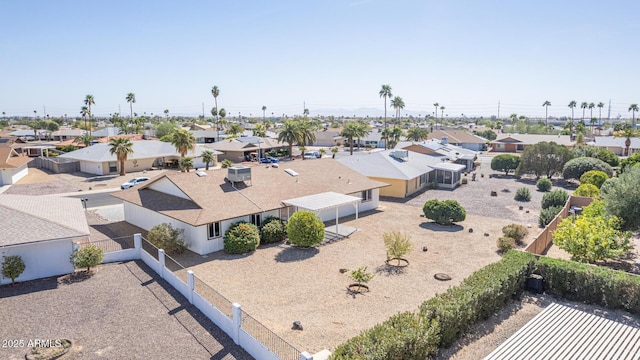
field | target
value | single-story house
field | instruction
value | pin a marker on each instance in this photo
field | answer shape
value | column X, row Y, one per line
column 328, row 137
column 407, row 172
column 617, row 144
column 97, row 159
column 41, row 230
column 67, row 134
column 517, row 142
column 207, row 136
column 13, row 166
column 435, row 147
column 106, row 132
column 461, row 138
column 206, row 206
column 244, row 148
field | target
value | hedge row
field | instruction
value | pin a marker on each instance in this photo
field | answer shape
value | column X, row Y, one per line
column 447, row 316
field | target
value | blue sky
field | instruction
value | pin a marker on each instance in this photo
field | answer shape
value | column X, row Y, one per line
column 334, row 55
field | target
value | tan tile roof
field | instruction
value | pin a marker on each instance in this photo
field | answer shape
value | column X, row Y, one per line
column 237, row 145
column 10, row 159
column 212, row 199
column 456, row 136
column 133, row 137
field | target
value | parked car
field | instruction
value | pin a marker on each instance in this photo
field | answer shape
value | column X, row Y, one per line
column 133, row 182
column 312, row 155
column 269, row 160
column 273, row 160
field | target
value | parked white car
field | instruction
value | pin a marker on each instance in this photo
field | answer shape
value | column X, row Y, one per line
column 133, row 182
column 312, row 155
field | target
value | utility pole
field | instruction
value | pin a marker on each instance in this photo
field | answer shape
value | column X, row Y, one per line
column 498, row 118
column 609, row 111
column 203, row 110
column 44, row 112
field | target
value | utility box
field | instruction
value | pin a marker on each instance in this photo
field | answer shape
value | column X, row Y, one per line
column 535, row 284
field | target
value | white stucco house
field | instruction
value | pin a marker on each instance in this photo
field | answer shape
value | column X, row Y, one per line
column 97, row 159
column 13, row 166
column 41, row 230
column 206, row 206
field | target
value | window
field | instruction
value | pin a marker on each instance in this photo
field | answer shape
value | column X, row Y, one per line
column 423, row 179
column 256, row 219
column 113, row 166
column 213, row 230
column 366, row 195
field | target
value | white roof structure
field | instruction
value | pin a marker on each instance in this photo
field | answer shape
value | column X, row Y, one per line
column 382, row 164
column 143, row 149
column 322, row 201
column 562, row 332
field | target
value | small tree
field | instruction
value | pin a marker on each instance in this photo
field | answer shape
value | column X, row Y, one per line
column 361, row 276
column 226, row 163
column 505, row 162
column 305, row 228
column 444, row 212
column 165, row 237
column 12, row 267
column 88, row 257
column 575, row 168
column 620, row 197
column 397, row 244
column 334, row 151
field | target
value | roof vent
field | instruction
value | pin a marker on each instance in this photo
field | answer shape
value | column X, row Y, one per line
column 402, row 155
column 239, row 173
column 291, row 172
column 201, row 173
column 444, row 140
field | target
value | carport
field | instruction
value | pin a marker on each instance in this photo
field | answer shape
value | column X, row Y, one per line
column 324, row 201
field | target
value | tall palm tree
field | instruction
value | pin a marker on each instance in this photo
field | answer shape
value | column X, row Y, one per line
column 397, row 103
column 591, row 106
column 306, row 131
column 600, row 106
column 183, row 141
column 417, row 134
column 215, row 92
column 441, row 115
column 353, row 130
column 264, row 108
column 584, row 106
column 572, row 105
column 633, row 108
column 131, row 98
column 363, row 130
column 121, row 147
column 84, row 112
column 166, row 114
column 289, row 133
column 208, row 157
column 546, row 105
column 436, row 105
column 88, row 101
column 385, row 92
column 627, row 132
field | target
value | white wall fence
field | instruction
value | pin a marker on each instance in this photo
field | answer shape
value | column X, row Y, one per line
column 253, row 337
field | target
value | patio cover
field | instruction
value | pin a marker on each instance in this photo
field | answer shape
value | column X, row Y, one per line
column 326, row 200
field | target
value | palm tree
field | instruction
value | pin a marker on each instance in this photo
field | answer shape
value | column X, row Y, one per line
column 436, row 105
column 417, row 134
column 235, row 129
column 306, row 131
column 215, row 91
column 289, row 134
column 88, row 101
column 264, row 108
column 131, row 98
column 627, row 132
column 208, row 157
column 633, row 108
column 184, row 141
column 351, row 130
column 84, row 111
column 385, row 92
column 397, row 103
column 441, row 116
column 572, row 105
column 334, row 151
column 395, row 136
column 584, row 106
column 386, row 134
column 259, row 131
column 363, row 130
column 186, row 163
column 600, row 106
column 546, row 105
column 85, row 139
column 166, row 114
column 121, row 147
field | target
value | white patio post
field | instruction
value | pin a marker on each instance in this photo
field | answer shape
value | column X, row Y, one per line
column 357, row 205
column 137, row 243
column 190, row 285
column 161, row 260
column 236, row 317
column 337, row 231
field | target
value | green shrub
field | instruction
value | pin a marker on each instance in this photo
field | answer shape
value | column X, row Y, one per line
column 544, row 184
column 444, row 212
column 305, row 229
column 226, row 163
column 12, row 267
column 272, row 231
column 241, row 237
column 523, row 194
column 403, row 336
column 479, row 296
column 575, row 168
column 88, row 257
column 547, row 215
column 594, row 177
column 505, row 162
column 397, row 244
column 505, row 244
column 516, row 232
column 587, row 190
column 591, row 284
column 554, row 198
column 607, row 156
column 361, row 276
column 629, row 162
column 165, row 237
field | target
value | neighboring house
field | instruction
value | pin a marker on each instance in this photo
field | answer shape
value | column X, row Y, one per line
column 460, row 138
column 13, row 166
column 206, row 206
column 67, row 134
column 106, row 132
column 517, row 142
column 616, row 144
column 245, row 148
column 207, row 136
column 97, row 159
column 328, row 137
column 406, row 171
column 41, row 230
column 452, row 153
column 198, row 127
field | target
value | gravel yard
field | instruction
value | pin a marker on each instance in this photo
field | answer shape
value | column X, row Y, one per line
column 123, row 311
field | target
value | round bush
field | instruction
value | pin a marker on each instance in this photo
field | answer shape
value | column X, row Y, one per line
column 516, row 232
column 505, row 243
column 444, row 212
column 575, row 168
column 554, row 198
column 587, row 190
column 594, row 177
column 272, row 232
column 607, row 156
column 544, row 184
column 547, row 215
column 241, row 237
column 523, row 194
column 305, row 229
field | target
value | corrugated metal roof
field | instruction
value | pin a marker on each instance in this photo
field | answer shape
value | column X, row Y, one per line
column 322, row 201
column 561, row 332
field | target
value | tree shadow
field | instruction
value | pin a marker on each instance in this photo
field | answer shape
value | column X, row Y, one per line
column 433, row 226
column 294, row 253
column 76, row 277
column 27, row 287
column 390, row 270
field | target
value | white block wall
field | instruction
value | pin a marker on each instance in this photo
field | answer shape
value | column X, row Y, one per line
column 42, row 259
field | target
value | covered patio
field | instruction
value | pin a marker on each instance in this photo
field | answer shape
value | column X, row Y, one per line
column 322, row 205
